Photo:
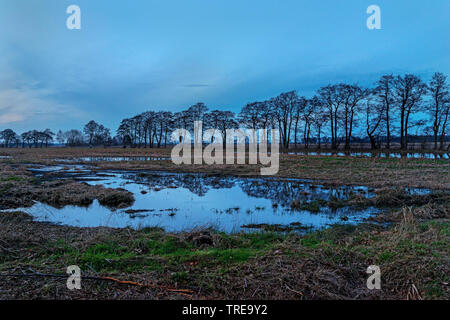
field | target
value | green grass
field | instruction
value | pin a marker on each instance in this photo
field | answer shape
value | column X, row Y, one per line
column 422, row 247
column 11, row 178
column 153, row 249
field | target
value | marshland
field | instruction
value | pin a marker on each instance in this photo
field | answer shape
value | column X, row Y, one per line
column 345, row 105
column 199, row 231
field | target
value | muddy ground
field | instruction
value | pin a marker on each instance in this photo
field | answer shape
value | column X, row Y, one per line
column 412, row 250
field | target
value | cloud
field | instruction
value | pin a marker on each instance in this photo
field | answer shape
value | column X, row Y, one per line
column 194, row 85
column 22, row 107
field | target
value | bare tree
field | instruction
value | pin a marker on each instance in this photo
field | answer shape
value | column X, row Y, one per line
column 375, row 111
column 299, row 114
column 284, row 107
column 8, row 136
column 226, row 121
column 319, row 117
column 74, row 137
column 60, row 137
column 89, row 130
column 307, row 118
column 385, row 91
column 125, row 131
column 333, row 100
column 408, row 90
column 47, row 136
column 439, row 107
column 351, row 96
column 26, row 138
column 212, row 121
column 250, row 115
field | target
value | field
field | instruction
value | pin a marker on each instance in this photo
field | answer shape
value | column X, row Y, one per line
column 408, row 238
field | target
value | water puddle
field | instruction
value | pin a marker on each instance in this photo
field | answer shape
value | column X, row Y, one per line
column 181, row 202
column 67, row 170
column 112, row 159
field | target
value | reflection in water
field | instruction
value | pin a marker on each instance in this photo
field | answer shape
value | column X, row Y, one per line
column 403, row 155
column 180, row 202
column 415, row 155
column 113, row 159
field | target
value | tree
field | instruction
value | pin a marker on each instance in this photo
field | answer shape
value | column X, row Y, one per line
column 60, row 137
column 35, row 137
column 284, row 106
column 267, row 115
column 125, row 131
column 47, row 136
column 408, row 91
column 196, row 113
column 375, row 109
column 307, row 117
column 149, row 122
column 333, row 100
column 26, row 138
column 351, row 96
column 8, row 136
column 102, row 136
column 385, row 92
column 89, row 130
column 213, row 120
column 439, row 107
column 319, row 116
column 250, row 115
column 182, row 120
column 225, row 120
column 74, row 137
column 299, row 114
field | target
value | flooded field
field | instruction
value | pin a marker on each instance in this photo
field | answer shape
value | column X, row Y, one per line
column 113, row 159
column 409, row 155
column 181, row 202
column 398, row 155
column 334, row 212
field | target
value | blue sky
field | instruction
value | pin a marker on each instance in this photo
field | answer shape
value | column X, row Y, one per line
column 132, row 56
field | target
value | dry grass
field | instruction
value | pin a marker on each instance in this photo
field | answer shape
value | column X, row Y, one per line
column 330, row 264
column 376, row 172
column 413, row 253
column 18, row 188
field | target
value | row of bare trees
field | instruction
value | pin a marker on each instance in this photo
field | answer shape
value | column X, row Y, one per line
column 337, row 114
column 94, row 134
column 30, row 138
column 396, row 105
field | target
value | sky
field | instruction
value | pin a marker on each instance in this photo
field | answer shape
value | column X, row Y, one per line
column 138, row 55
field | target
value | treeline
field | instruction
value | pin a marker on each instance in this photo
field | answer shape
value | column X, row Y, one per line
column 93, row 134
column 396, row 108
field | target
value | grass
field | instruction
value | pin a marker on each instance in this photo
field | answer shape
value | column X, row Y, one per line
column 119, row 254
column 412, row 251
column 375, row 172
column 408, row 253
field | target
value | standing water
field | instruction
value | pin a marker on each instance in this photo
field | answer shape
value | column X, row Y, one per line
column 182, row 202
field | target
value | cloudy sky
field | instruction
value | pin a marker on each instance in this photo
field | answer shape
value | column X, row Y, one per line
column 136, row 55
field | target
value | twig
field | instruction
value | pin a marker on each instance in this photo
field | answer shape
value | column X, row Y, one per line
column 52, row 275
column 297, row 292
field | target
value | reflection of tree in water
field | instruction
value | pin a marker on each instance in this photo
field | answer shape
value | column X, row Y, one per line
column 281, row 192
column 195, row 183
